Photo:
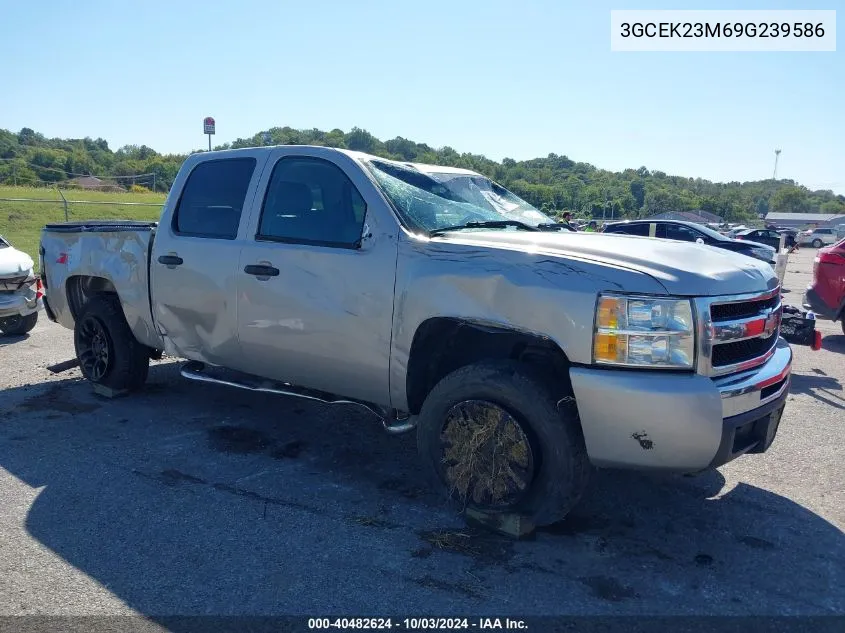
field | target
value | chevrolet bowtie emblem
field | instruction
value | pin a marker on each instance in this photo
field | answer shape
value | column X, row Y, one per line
column 771, row 324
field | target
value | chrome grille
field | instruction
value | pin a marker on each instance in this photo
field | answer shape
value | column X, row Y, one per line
column 738, row 332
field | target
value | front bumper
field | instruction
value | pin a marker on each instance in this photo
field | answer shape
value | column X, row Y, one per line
column 19, row 304
column 680, row 422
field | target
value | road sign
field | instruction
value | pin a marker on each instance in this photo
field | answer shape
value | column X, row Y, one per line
column 208, row 125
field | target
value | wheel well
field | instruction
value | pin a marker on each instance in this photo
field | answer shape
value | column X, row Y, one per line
column 442, row 345
column 80, row 288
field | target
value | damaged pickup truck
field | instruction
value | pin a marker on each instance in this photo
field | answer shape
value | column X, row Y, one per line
column 522, row 355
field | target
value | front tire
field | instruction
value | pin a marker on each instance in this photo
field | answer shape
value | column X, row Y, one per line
column 18, row 325
column 817, row 243
column 493, row 439
column 108, row 352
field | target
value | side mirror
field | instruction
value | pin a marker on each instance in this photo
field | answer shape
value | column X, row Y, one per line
column 698, row 240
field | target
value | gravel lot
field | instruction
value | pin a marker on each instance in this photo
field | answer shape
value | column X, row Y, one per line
column 191, row 499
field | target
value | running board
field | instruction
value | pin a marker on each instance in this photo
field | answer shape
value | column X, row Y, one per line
column 194, row 370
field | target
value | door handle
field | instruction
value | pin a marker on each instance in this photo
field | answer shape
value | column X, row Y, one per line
column 261, row 270
column 170, row 260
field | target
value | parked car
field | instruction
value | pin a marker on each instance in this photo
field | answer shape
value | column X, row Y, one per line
column 826, row 294
column 691, row 232
column 817, row 237
column 20, row 291
column 520, row 356
column 768, row 237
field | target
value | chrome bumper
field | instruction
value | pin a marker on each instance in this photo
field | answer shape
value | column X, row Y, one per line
column 753, row 389
column 673, row 422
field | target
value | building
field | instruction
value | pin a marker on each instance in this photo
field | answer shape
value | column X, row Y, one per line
column 698, row 216
column 800, row 220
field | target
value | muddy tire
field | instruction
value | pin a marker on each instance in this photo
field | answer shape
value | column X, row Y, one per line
column 817, row 243
column 492, row 438
column 108, row 352
column 18, row 325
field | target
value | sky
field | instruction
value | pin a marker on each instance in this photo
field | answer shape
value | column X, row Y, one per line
column 503, row 78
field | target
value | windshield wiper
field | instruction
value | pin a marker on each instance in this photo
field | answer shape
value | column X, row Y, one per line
column 552, row 226
column 488, row 224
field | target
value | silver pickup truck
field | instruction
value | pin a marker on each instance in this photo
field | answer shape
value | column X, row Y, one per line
column 521, row 353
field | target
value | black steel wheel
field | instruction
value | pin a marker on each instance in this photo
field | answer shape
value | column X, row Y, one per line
column 108, row 352
column 492, row 438
column 94, row 348
column 487, row 458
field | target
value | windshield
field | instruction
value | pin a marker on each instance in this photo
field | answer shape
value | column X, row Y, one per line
column 3, row 243
column 440, row 200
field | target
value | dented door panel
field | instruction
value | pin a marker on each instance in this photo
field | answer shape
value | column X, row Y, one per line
column 193, row 279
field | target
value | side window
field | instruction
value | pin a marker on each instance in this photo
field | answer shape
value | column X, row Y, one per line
column 213, row 198
column 680, row 232
column 632, row 229
column 311, row 201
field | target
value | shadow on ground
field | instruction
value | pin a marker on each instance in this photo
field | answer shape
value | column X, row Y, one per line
column 7, row 339
column 824, row 388
column 190, row 499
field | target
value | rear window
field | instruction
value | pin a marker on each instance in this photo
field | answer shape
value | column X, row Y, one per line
column 213, row 198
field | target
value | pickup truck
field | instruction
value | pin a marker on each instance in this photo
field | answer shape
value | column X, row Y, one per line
column 522, row 355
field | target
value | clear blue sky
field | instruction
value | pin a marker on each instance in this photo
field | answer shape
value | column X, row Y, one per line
column 516, row 78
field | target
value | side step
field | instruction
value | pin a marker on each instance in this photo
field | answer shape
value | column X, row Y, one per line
column 195, row 370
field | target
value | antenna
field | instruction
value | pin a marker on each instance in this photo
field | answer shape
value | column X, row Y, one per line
column 775, row 174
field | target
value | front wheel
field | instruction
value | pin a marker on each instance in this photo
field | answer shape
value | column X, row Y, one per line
column 108, row 352
column 18, row 325
column 493, row 439
column 817, row 243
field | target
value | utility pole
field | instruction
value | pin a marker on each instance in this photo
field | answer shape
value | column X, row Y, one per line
column 14, row 175
column 154, row 181
column 775, row 174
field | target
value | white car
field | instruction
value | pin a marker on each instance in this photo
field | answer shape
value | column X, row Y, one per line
column 818, row 237
column 20, row 291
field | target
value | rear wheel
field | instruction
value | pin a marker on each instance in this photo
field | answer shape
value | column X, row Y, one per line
column 492, row 438
column 817, row 243
column 17, row 325
column 108, row 352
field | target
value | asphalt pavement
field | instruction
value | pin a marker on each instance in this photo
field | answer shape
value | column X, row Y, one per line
column 192, row 499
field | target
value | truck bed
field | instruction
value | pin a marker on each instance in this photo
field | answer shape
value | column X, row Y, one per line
column 83, row 257
column 100, row 226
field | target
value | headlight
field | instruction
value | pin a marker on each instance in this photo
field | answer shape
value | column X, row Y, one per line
column 644, row 332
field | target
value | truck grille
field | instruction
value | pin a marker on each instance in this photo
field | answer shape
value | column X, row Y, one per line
column 737, row 333
column 741, row 351
column 729, row 311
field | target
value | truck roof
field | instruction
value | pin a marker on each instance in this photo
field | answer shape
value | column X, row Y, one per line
column 361, row 156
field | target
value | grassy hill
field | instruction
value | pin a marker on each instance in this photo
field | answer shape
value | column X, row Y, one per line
column 21, row 221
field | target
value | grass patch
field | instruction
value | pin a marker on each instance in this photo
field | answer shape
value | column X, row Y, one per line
column 21, row 222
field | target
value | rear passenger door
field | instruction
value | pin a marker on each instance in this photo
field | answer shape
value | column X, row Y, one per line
column 195, row 257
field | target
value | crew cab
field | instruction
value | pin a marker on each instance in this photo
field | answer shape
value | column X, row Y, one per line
column 438, row 300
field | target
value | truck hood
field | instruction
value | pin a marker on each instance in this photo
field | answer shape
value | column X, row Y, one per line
column 14, row 263
column 682, row 268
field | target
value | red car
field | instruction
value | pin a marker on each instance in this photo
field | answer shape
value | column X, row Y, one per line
column 826, row 295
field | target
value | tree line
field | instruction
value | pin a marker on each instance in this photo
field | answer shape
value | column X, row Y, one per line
column 554, row 183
